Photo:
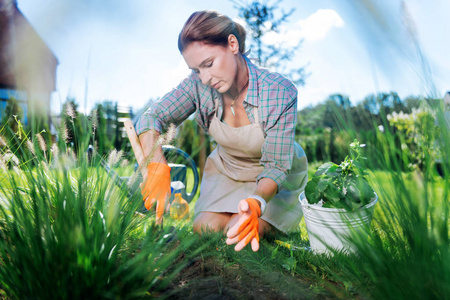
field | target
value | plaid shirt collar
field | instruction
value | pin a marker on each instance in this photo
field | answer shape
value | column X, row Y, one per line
column 252, row 92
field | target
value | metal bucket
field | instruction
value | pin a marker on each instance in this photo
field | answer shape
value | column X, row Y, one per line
column 333, row 228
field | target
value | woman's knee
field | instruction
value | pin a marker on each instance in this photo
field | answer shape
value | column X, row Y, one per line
column 210, row 221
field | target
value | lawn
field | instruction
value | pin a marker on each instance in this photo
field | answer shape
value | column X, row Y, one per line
column 274, row 272
column 69, row 230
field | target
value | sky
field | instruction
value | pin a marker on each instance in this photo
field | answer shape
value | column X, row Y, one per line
column 126, row 51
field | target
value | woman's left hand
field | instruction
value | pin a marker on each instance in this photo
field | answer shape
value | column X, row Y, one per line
column 246, row 228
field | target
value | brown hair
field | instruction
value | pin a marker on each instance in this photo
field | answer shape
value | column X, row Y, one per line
column 211, row 28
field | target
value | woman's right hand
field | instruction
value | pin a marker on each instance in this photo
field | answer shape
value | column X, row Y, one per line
column 246, row 229
column 156, row 188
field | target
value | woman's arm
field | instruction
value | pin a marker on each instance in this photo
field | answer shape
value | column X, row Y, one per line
column 155, row 186
column 172, row 108
column 279, row 115
column 266, row 188
column 148, row 141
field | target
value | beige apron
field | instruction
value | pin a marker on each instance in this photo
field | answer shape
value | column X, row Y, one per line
column 232, row 168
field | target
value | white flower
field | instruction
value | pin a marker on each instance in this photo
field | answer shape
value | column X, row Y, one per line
column 31, row 147
column 9, row 156
column 94, row 119
column 3, row 164
column 114, row 157
column 65, row 134
column 41, row 142
column 70, row 111
column 2, row 141
column 124, row 163
column 170, row 134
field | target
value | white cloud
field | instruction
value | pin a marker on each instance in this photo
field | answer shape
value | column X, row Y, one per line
column 314, row 28
column 317, row 25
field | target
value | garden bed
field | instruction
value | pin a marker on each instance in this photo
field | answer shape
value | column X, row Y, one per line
column 211, row 279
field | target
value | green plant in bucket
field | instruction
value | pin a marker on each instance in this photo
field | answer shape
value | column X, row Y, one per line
column 343, row 185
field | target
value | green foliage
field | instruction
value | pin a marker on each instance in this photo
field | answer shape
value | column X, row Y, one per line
column 75, row 130
column 68, row 231
column 336, row 122
column 417, row 133
column 101, row 141
column 410, row 243
column 408, row 251
column 343, row 185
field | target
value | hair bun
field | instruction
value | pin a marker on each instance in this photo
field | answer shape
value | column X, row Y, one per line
column 211, row 28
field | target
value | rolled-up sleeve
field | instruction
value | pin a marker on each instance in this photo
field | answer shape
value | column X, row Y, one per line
column 278, row 147
column 172, row 108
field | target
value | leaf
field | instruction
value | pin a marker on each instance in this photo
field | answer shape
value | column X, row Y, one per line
column 328, row 184
column 334, row 170
column 328, row 204
column 348, row 286
column 359, row 193
column 332, row 194
column 355, row 205
column 350, row 205
column 313, row 267
column 323, row 168
column 311, row 190
column 352, row 191
column 322, row 185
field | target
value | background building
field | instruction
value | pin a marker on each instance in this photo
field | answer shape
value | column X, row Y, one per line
column 27, row 65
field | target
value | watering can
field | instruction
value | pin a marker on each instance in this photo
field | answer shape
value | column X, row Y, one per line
column 179, row 170
column 179, row 162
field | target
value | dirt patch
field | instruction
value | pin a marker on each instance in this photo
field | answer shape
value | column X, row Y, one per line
column 209, row 279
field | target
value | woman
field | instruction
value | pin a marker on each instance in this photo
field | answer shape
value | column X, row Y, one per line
column 252, row 180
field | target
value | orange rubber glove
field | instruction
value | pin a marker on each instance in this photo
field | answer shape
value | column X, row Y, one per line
column 246, row 229
column 156, row 187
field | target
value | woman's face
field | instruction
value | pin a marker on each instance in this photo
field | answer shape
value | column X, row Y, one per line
column 216, row 66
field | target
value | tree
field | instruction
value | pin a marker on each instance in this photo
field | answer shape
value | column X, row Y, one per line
column 110, row 116
column 340, row 100
column 412, row 102
column 362, row 118
column 261, row 18
column 101, row 142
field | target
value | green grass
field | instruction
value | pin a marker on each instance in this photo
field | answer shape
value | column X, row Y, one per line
column 67, row 230
column 380, row 270
column 74, row 237
column 406, row 255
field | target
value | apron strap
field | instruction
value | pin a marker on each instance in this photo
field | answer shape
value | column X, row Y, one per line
column 216, row 106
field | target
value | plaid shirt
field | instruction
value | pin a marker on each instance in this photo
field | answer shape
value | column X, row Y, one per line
column 274, row 95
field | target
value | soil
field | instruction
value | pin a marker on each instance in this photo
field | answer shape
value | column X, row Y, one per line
column 208, row 279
